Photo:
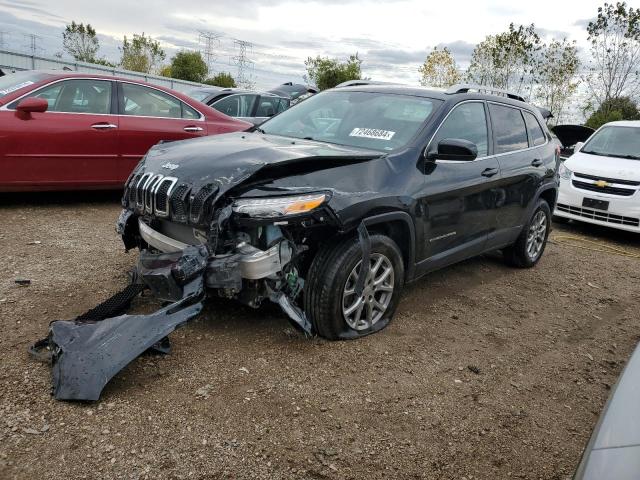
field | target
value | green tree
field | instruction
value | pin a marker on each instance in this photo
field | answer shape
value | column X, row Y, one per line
column 615, row 50
column 188, row 66
column 165, row 71
column 556, row 77
column 613, row 109
column 507, row 60
column 439, row 69
column 329, row 72
column 141, row 54
column 222, row 79
column 81, row 42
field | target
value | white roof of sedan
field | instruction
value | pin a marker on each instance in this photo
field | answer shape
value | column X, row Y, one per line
column 624, row 123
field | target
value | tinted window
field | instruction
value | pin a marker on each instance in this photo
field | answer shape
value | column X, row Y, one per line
column 360, row 119
column 467, row 122
column 236, row 105
column 509, row 132
column 189, row 113
column 535, row 130
column 269, row 106
column 76, row 96
column 149, row 102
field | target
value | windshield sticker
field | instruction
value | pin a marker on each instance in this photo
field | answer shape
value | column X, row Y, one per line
column 15, row 87
column 372, row 133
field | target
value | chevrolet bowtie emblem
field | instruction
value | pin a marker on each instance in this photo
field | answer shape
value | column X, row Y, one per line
column 602, row 184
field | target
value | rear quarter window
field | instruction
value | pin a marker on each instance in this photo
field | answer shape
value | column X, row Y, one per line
column 535, row 130
column 509, row 131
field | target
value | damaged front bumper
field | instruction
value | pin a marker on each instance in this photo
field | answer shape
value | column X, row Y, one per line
column 85, row 353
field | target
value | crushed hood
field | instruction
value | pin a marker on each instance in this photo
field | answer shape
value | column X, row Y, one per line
column 231, row 158
column 569, row 135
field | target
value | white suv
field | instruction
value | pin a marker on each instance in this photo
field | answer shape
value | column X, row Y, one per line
column 600, row 182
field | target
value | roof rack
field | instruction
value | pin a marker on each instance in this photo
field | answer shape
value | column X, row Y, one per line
column 465, row 87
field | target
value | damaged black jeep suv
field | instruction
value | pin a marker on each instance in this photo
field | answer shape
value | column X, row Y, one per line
column 329, row 208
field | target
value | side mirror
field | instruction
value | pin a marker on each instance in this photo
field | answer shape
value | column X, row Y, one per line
column 454, row 149
column 578, row 146
column 32, row 105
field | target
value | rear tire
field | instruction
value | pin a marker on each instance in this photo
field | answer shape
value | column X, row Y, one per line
column 330, row 302
column 530, row 245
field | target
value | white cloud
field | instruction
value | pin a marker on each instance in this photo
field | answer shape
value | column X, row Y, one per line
column 390, row 36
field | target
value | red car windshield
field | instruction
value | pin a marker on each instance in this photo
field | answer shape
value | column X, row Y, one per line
column 15, row 81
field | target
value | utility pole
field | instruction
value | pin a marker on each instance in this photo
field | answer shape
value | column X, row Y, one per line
column 243, row 63
column 209, row 41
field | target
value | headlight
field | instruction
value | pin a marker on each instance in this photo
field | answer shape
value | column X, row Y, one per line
column 279, row 206
column 564, row 172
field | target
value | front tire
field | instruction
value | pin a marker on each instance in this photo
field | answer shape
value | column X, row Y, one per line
column 331, row 303
column 528, row 249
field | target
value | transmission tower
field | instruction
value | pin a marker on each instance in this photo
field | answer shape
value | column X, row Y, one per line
column 243, row 63
column 209, row 41
column 33, row 40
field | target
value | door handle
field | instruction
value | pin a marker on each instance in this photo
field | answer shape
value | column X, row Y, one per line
column 489, row 172
column 536, row 163
column 103, row 126
column 192, row 129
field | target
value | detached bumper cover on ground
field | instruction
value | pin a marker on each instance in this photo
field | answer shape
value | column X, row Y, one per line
column 86, row 353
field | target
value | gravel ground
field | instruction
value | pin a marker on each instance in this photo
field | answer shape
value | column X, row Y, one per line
column 486, row 372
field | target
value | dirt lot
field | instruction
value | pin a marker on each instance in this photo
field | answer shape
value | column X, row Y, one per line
column 486, row 372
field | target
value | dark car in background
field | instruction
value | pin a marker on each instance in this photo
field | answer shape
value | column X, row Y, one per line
column 254, row 107
column 296, row 92
column 64, row 131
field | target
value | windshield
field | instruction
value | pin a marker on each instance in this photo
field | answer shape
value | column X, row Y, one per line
column 15, row 81
column 614, row 141
column 359, row 119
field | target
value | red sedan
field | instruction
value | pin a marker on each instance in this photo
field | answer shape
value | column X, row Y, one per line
column 64, row 131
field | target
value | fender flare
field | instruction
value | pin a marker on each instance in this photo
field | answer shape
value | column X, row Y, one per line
column 543, row 188
column 405, row 218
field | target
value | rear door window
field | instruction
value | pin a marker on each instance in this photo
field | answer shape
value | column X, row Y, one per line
column 236, row 105
column 536, row 134
column 509, row 131
column 143, row 101
column 467, row 121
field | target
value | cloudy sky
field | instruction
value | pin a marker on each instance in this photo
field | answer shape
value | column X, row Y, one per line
column 392, row 37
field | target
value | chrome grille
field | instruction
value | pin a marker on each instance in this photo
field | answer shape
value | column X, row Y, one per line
column 162, row 192
column 592, row 187
column 151, row 193
column 140, row 187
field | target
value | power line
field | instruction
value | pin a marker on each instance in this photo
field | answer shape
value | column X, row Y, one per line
column 209, row 41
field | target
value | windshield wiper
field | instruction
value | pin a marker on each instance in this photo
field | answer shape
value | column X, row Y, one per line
column 606, row 154
column 592, row 152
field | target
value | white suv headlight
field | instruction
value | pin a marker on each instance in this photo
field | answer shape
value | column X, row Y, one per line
column 279, row 206
column 564, row 172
